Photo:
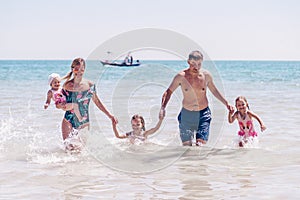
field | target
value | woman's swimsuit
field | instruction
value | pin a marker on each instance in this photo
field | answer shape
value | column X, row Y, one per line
column 246, row 126
column 82, row 98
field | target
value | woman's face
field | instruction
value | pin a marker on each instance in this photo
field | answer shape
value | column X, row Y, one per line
column 78, row 70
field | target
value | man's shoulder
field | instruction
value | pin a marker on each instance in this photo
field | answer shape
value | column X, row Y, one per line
column 182, row 73
column 179, row 76
column 205, row 71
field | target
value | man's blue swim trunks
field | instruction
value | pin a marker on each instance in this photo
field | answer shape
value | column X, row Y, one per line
column 194, row 121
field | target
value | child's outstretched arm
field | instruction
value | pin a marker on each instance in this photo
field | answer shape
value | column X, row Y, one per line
column 49, row 96
column 231, row 116
column 153, row 130
column 262, row 125
column 114, row 125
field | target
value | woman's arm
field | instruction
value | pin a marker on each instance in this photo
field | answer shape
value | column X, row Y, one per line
column 101, row 107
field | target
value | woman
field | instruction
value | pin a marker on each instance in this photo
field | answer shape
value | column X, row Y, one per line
column 80, row 91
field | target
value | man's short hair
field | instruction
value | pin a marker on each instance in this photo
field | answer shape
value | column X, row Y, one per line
column 196, row 55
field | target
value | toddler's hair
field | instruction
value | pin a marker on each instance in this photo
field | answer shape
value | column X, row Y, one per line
column 53, row 76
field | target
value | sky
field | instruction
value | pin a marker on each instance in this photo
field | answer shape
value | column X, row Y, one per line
column 225, row 30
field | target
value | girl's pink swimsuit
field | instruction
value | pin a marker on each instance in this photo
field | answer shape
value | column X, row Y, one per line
column 57, row 96
column 246, row 126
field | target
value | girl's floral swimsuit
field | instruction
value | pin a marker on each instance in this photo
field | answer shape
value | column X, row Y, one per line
column 82, row 99
column 246, row 126
column 135, row 138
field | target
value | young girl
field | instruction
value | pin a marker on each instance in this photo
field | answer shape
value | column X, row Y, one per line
column 55, row 93
column 138, row 132
column 244, row 117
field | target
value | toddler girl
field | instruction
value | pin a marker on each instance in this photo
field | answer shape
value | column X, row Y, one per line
column 55, row 93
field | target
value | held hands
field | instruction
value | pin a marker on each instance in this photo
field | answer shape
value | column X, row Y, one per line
column 114, row 120
column 230, row 108
column 162, row 113
column 113, row 123
column 231, row 111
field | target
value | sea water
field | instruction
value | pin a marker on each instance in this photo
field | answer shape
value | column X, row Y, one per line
column 34, row 165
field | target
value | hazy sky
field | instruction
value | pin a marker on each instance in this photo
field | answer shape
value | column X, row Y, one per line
column 226, row 30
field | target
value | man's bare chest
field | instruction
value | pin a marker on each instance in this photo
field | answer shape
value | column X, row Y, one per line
column 193, row 84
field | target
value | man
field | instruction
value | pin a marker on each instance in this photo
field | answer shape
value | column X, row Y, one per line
column 195, row 115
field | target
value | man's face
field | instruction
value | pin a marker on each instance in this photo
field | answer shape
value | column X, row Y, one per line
column 195, row 65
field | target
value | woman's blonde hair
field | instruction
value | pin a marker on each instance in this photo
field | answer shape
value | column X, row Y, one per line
column 76, row 61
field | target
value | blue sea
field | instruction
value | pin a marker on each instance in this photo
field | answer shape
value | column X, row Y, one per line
column 34, row 165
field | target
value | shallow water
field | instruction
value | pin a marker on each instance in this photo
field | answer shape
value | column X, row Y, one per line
column 34, row 164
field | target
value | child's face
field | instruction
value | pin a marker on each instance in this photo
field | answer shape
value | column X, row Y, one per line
column 241, row 105
column 55, row 84
column 136, row 124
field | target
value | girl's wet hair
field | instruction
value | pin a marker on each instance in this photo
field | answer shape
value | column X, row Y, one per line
column 135, row 117
column 239, row 98
column 76, row 61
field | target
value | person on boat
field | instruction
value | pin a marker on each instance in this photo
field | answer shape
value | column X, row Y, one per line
column 128, row 59
column 55, row 94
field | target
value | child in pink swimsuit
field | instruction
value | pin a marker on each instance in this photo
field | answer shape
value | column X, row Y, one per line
column 244, row 117
column 56, row 94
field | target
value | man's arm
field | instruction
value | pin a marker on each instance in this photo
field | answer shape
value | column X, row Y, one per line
column 214, row 90
column 167, row 94
column 165, row 98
